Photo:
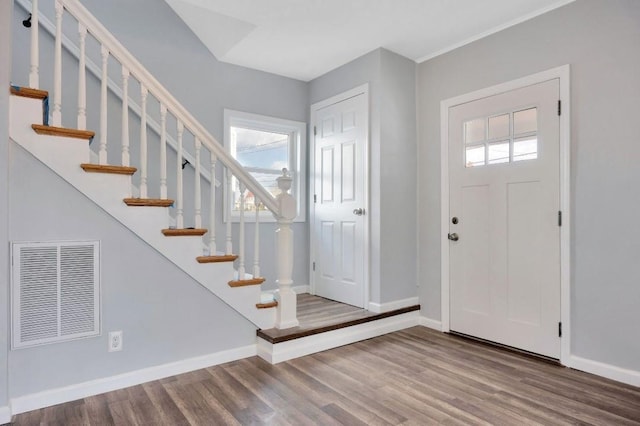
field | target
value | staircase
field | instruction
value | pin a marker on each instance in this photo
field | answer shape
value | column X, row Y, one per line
column 193, row 249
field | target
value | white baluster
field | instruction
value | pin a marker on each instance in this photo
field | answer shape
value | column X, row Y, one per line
column 212, row 211
column 163, row 151
column 56, row 115
column 125, row 117
column 143, row 141
column 241, row 270
column 34, row 77
column 179, row 206
column 286, row 297
column 102, row 153
column 229, row 208
column 256, row 240
column 198, row 195
column 82, row 79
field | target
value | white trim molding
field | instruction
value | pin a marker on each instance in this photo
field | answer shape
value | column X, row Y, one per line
column 431, row 323
column 379, row 308
column 494, row 30
column 561, row 73
column 630, row 377
column 94, row 387
column 279, row 352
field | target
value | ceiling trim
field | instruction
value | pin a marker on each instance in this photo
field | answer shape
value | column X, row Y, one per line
column 494, row 30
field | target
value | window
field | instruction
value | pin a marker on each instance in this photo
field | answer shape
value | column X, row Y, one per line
column 264, row 146
column 502, row 138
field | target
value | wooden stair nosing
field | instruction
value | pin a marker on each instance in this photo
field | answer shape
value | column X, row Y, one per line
column 216, row 259
column 62, row 131
column 148, row 202
column 267, row 305
column 184, row 232
column 28, row 92
column 300, row 332
column 250, row 281
column 106, row 168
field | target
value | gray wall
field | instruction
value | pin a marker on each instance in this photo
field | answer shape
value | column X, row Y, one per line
column 5, row 60
column 600, row 41
column 392, row 159
column 161, row 41
column 164, row 314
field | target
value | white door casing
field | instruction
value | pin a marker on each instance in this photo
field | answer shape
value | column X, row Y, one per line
column 507, row 278
column 339, row 207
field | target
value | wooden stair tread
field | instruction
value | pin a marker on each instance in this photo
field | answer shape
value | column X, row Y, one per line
column 184, row 232
column 149, row 202
column 27, row 92
column 267, row 305
column 216, row 259
column 249, row 281
column 105, row 168
column 62, row 131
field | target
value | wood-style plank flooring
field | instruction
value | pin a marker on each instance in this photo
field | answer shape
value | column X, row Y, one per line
column 318, row 315
column 413, row 377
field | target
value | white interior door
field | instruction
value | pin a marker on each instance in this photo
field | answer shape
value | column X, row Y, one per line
column 504, row 218
column 339, row 213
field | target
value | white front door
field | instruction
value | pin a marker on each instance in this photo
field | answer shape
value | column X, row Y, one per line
column 504, row 218
column 339, row 211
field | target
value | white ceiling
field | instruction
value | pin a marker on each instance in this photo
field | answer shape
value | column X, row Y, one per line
column 304, row 39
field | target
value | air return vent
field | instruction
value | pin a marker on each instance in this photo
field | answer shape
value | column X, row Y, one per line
column 55, row 292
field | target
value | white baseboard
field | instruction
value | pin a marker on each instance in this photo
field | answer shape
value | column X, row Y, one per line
column 279, row 352
column 630, row 377
column 5, row 415
column 94, row 387
column 431, row 323
column 379, row 308
column 300, row 289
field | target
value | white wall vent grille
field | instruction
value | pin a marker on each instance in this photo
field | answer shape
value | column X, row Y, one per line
column 55, row 289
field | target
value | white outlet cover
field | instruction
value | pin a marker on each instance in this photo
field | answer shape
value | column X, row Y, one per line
column 115, row 341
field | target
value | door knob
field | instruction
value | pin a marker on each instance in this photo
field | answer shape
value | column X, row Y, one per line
column 454, row 237
column 358, row 212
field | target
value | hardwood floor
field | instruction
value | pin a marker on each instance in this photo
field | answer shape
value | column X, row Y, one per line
column 318, row 315
column 416, row 376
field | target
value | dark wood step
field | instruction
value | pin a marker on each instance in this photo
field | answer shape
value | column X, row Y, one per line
column 27, row 92
column 249, row 281
column 62, row 131
column 148, row 202
column 187, row 232
column 267, row 305
column 319, row 315
column 216, row 259
column 105, row 168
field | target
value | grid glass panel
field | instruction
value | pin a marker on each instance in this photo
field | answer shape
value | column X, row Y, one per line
column 525, row 149
column 503, row 138
column 499, row 152
column 525, row 121
column 474, row 131
column 475, row 156
column 499, row 126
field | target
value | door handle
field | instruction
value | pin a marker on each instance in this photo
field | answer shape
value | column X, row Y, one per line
column 358, row 211
column 453, row 237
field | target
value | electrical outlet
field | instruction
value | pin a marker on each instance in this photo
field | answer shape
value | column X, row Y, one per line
column 115, row 341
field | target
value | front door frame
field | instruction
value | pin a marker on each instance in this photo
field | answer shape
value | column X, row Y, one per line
column 563, row 74
column 359, row 90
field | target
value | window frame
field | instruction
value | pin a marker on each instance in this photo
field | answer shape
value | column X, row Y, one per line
column 297, row 157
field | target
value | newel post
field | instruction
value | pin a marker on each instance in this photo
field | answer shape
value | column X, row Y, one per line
column 286, row 297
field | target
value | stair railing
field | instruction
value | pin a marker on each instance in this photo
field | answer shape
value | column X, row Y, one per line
column 282, row 206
